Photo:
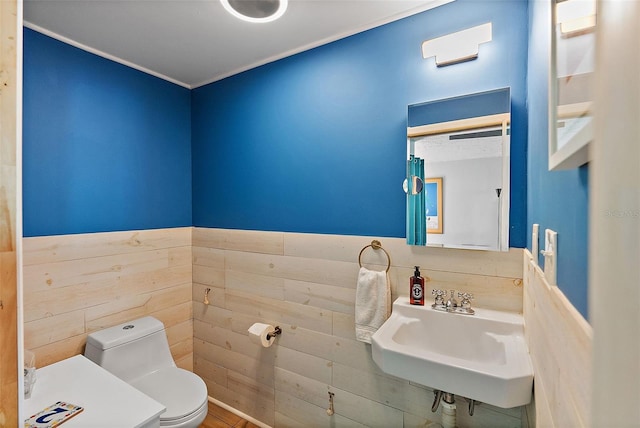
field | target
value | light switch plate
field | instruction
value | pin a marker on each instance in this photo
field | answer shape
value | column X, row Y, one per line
column 550, row 254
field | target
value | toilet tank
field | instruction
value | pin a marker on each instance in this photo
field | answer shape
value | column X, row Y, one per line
column 132, row 349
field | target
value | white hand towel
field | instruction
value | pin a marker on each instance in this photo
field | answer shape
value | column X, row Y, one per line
column 373, row 302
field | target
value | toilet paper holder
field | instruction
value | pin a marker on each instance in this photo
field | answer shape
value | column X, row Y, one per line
column 276, row 332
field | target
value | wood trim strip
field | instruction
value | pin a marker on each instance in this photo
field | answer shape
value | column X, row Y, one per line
column 459, row 125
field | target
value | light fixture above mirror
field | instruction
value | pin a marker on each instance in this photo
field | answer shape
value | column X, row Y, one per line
column 457, row 47
column 258, row 11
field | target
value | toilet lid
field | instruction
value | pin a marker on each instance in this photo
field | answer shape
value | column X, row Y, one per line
column 180, row 391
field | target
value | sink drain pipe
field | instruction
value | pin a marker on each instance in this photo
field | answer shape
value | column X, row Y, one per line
column 449, row 407
column 448, row 411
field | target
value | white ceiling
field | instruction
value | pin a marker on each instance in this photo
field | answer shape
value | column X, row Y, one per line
column 195, row 42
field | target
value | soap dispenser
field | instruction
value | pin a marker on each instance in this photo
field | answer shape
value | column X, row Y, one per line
column 416, row 288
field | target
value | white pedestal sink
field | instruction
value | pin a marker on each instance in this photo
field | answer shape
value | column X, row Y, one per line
column 483, row 356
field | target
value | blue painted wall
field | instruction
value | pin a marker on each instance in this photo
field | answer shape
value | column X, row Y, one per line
column 558, row 199
column 105, row 147
column 317, row 142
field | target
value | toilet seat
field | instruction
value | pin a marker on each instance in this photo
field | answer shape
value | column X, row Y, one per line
column 192, row 420
column 183, row 393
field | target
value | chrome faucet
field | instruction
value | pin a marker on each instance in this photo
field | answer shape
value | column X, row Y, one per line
column 452, row 305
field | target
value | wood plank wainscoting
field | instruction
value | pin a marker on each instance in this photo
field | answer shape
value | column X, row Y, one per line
column 76, row 284
column 305, row 283
column 559, row 341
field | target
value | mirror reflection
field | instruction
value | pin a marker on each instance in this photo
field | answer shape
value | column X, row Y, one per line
column 571, row 84
column 464, row 166
column 415, row 183
column 463, row 190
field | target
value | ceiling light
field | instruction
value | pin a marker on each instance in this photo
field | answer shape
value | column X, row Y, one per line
column 576, row 16
column 256, row 10
column 457, row 47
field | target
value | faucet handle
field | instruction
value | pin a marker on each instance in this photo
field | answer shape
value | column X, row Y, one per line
column 466, row 299
column 440, row 294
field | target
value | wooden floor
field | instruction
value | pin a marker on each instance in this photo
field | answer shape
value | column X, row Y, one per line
column 221, row 418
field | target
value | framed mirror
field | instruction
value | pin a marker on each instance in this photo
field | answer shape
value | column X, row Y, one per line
column 463, row 165
column 571, row 77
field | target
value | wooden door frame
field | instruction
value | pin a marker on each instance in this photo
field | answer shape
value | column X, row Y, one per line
column 10, row 217
column 614, row 235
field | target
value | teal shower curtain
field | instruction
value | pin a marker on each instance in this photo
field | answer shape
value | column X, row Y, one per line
column 416, row 215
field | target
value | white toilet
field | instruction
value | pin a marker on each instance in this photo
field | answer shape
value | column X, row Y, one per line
column 138, row 353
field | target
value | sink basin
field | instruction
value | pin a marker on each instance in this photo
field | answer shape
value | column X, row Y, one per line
column 483, row 356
